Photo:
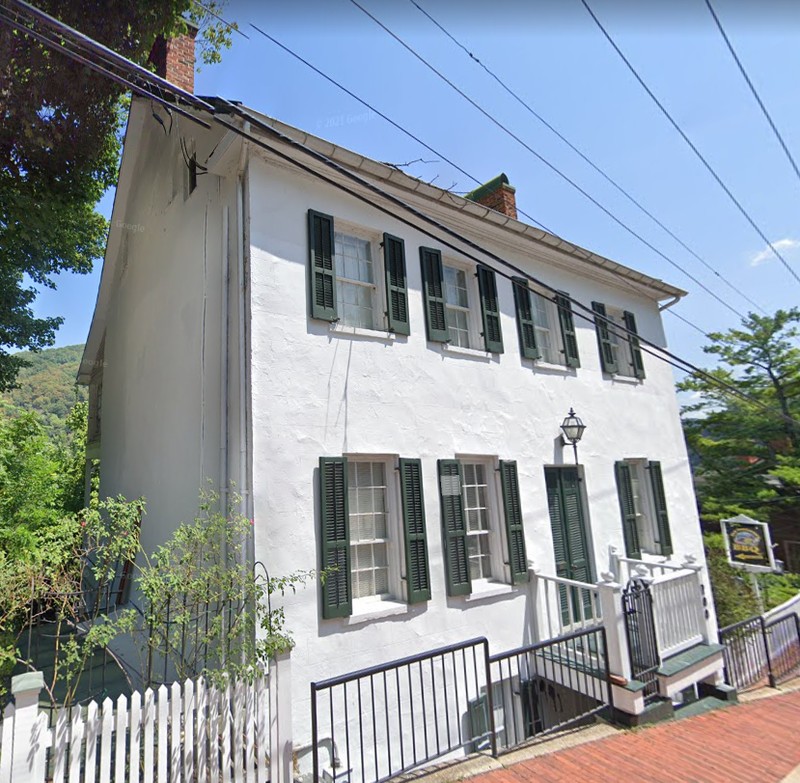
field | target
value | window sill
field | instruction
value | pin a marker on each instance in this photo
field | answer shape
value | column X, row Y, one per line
column 366, row 611
column 538, row 364
column 473, row 353
column 483, row 590
column 625, row 379
column 360, row 331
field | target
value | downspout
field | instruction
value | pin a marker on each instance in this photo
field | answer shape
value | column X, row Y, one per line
column 674, row 300
column 243, row 238
column 224, row 335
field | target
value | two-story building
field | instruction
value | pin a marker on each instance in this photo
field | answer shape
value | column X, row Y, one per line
column 382, row 369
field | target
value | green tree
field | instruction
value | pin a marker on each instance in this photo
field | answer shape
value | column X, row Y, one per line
column 747, row 458
column 59, row 150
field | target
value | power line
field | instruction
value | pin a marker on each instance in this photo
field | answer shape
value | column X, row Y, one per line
column 381, row 114
column 752, row 88
column 227, row 24
column 142, row 78
column 547, row 163
column 586, row 159
column 689, row 142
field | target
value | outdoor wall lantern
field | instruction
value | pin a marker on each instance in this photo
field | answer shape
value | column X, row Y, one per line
column 572, row 428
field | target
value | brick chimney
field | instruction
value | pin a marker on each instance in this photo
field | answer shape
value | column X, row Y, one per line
column 174, row 58
column 496, row 194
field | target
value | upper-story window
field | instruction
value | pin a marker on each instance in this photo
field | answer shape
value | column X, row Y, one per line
column 620, row 353
column 355, row 278
column 451, row 296
column 545, row 326
column 356, row 290
column 456, row 296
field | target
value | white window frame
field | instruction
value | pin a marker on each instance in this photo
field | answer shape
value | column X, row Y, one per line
column 473, row 300
column 496, row 529
column 646, row 524
column 553, row 328
column 379, row 320
column 394, row 534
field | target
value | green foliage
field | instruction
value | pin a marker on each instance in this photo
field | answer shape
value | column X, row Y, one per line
column 748, row 459
column 59, row 150
column 46, row 385
column 733, row 595
column 778, row 588
column 205, row 609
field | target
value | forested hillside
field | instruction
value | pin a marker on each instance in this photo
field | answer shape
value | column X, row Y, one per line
column 47, row 386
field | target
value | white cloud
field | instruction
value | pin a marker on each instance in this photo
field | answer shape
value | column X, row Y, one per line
column 781, row 245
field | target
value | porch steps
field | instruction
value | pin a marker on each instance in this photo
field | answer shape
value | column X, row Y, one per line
column 700, row 707
column 678, row 663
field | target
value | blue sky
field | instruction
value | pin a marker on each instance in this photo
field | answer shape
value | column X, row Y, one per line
column 554, row 57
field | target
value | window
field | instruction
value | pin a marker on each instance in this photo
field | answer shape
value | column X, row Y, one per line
column 356, row 291
column 450, row 311
column 476, row 506
column 456, row 297
column 620, row 353
column 545, row 326
column 354, row 279
column 645, row 521
column 373, row 539
column 369, row 536
column 473, row 533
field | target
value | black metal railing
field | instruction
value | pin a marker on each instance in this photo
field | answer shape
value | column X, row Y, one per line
column 376, row 723
column 637, row 604
column 758, row 652
column 385, row 720
column 544, row 687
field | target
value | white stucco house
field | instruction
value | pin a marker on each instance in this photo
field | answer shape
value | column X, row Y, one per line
column 389, row 407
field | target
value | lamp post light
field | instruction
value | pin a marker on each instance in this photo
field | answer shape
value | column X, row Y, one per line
column 572, row 428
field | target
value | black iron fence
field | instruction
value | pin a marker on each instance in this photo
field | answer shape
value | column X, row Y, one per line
column 761, row 652
column 379, row 722
column 544, row 687
column 637, row 604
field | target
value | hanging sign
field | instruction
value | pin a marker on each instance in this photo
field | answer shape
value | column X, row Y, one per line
column 748, row 544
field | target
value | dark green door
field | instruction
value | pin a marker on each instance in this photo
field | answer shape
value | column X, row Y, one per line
column 570, row 542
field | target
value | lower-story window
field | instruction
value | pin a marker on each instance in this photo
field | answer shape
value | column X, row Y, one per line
column 643, row 505
column 373, row 540
column 479, row 529
column 369, row 528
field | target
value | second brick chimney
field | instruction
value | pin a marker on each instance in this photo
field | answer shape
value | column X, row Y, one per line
column 496, row 194
column 174, row 58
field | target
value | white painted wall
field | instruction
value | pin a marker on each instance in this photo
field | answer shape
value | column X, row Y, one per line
column 318, row 392
column 161, row 374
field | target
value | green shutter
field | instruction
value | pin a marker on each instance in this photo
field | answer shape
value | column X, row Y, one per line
column 454, row 528
column 660, row 501
column 630, row 532
column 526, row 329
column 490, row 310
column 418, row 578
column 568, row 336
column 577, row 544
column 478, row 710
column 394, row 262
column 515, row 533
column 321, row 271
column 337, row 598
column 607, row 361
column 636, row 351
column 433, row 294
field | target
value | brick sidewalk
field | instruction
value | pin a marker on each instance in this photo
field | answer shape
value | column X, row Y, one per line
column 758, row 742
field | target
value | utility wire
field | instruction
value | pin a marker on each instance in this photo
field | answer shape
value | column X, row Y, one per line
column 588, row 160
column 436, row 152
column 547, row 163
column 382, row 115
column 227, row 24
column 689, row 142
column 752, row 88
column 141, row 77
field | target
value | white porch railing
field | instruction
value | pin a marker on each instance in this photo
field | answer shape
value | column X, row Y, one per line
column 678, row 611
column 563, row 605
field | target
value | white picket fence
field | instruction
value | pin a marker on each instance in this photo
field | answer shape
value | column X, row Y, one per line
column 190, row 732
column 678, row 610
